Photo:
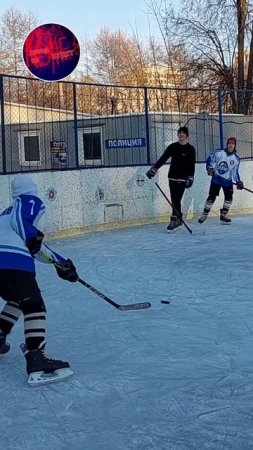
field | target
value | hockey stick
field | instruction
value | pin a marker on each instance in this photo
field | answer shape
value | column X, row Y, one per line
column 177, row 213
column 130, row 307
column 246, row 189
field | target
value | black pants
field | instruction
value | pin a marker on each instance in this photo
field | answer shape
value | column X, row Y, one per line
column 20, row 290
column 177, row 189
column 215, row 190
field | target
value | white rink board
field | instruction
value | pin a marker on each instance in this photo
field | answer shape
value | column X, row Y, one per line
column 79, row 199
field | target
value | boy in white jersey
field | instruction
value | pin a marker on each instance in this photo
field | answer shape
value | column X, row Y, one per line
column 20, row 244
column 223, row 167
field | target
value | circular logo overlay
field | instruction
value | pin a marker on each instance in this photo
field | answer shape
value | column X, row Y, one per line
column 51, row 52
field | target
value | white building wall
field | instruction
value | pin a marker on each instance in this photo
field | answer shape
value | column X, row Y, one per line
column 96, row 199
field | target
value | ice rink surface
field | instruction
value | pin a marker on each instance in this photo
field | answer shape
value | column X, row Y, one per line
column 173, row 377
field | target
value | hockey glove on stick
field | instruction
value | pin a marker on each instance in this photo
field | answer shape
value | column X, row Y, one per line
column 239, row 185
column 246, row 189
column 67, row 271
column 151, row 172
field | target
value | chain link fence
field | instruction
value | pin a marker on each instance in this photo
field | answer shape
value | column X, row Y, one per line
column 67, row 125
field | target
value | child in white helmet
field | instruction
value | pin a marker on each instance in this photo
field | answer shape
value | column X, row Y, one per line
column 20, row 243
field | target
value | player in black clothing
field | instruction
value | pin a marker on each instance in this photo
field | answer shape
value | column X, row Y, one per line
column 181, row 173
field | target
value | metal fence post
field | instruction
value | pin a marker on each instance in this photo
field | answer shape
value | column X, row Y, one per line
column 147, row 123
column 75, row 126
column 2, row 125
column 220, row 117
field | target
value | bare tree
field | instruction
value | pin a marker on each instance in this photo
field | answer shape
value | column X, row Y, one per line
column 117, row 58
column 217, row 35
column 14, row 28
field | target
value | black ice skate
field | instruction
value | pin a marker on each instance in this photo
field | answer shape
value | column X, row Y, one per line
column 203, row 217
column 41, row 369
column 224, row 220
column 4, row 346
column 174, row 225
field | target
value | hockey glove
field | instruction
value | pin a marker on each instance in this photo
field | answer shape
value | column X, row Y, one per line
column 189, row 182
column 239, row 185
column 151, row 172
column 67, row 271
column 210, row 171
column 33, row 244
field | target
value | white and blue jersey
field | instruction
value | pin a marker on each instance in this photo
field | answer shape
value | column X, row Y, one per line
column 17, row 225
column 226, row 167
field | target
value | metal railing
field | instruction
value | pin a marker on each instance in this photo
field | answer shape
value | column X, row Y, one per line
column 67, row 125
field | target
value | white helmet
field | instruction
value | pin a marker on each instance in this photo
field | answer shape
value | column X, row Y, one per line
column 23, row 184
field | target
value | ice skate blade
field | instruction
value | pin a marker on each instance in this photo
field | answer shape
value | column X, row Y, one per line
column 174, row 230
column 39, row 378
column 225, row 223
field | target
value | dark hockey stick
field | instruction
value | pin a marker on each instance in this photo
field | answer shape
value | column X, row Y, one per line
column 130, row 307
column 246, row 189
column 177, row 213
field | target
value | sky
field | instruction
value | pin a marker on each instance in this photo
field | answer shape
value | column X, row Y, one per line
column 175, row 376
column 85, row 19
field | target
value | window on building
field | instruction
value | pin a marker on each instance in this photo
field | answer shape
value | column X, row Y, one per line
column 90, row 146
column 29, row 149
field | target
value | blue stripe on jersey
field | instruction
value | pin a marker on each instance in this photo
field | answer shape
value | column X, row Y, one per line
column 14, row 249
column 16, row 261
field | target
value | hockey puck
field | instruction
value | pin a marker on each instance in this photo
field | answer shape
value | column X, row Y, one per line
column 165, row 302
